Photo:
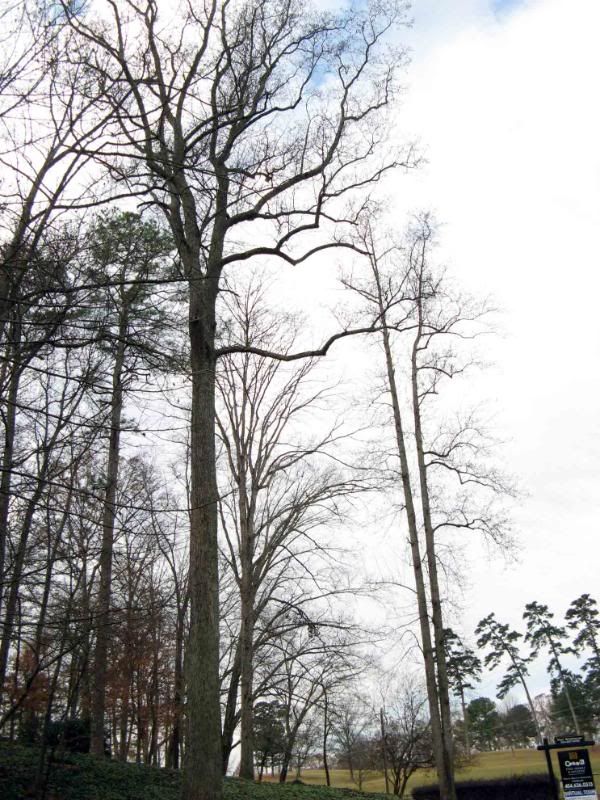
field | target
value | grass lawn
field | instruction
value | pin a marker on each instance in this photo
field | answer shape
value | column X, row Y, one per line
column 484, row 765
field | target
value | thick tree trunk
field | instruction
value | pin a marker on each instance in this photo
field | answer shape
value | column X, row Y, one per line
column 285, row 766
column 106, row 552
column 203, row 758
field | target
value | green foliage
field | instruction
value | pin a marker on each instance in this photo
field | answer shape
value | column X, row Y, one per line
column 584, row 698
column 502, row 643
column 584, row 619
column 462, row 665
column 518, row 726
column 269, row 732
column 82, row 777
column 73, row 734
column 127, row 255
column 484, row 722
column 542, row 633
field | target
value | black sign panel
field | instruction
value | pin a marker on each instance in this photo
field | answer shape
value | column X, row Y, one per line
column 576, row 774
column 567, row 740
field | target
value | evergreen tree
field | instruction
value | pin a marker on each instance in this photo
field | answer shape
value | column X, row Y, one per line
column 464, row 672
column 584, row 619
column 502, row 643
column 542, row 633
column 484, row 722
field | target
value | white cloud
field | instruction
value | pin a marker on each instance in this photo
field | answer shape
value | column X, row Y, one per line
column 507, row 106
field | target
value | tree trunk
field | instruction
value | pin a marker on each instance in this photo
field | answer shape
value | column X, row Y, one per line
column 384, row 751
column 285, row 765
column 106, row 552
column 7, row 460
column 325, row 736
column 246, row 637
column 465, row 722
column 173, row 755
column 565, row 688
column 434, row 587
column 529, row 699
column 203, row 758
column 231, row 719
column 428, row 654
column 13, row 595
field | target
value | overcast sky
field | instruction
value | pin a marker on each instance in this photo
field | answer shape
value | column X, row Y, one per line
column 503, row 95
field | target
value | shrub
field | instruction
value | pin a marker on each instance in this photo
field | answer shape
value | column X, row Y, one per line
column 519, row 787
column 73, row 734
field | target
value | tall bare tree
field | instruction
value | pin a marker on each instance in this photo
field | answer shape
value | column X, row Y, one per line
column 447, row 479
column 280, row 488
column 235, row 117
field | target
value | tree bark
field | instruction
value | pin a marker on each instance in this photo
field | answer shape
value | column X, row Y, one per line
column 428, row 653
column 384, row 751
column 246, row 633
column 434, row 586
column 203, row 758
column 173, row 754
column 8, row 451
column 325, row 736
column 106, row 552
column 231, row 718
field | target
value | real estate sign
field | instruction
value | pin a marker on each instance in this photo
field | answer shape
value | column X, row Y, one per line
column 576, row 774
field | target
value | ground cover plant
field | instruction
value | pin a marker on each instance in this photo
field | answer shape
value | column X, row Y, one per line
column 82, row 777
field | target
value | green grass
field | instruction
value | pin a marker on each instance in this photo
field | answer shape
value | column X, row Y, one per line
column 85, row 778
column 501, row 764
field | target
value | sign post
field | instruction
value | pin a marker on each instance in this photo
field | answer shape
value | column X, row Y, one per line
column 575, row 768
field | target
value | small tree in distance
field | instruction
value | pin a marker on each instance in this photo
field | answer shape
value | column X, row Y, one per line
column 484, row 722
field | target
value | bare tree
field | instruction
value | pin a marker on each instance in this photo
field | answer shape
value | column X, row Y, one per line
column 238, row 115
column 407, row 741
column 279, row 489
column 353, row 730
column 447, row 480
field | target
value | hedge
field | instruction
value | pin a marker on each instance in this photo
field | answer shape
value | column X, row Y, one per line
column 518, row 787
